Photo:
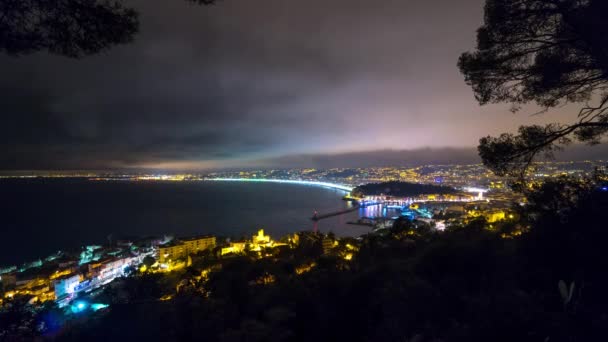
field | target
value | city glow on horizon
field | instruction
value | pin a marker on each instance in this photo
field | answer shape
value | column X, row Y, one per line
column 285, row 181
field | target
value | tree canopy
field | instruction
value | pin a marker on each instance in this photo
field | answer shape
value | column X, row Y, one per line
column 402, row 189
column 547, row 52
column 72, row 28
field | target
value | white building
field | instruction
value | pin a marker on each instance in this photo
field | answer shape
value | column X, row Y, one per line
column 66, row 285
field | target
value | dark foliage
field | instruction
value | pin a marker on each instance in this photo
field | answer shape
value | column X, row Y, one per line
column 72, row 28
column 410, row 284
column 16, row 319
column 548, row 52
column 401, row 189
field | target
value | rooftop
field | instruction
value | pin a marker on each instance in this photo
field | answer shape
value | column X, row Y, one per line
column 199, row 237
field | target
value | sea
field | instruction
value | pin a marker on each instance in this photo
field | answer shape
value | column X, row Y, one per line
column 40, row 216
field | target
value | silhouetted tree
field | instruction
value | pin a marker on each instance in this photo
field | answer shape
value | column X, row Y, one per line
column 548, row 52
column 72, row 28
column 556, row 197
column 17, row 320
column 148, row 261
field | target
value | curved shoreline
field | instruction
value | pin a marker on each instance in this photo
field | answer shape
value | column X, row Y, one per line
column 284, row 181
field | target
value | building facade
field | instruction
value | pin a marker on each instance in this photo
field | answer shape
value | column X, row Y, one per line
column 66, row 285
column 199, row 244
column 181, row 250
column 171, row 252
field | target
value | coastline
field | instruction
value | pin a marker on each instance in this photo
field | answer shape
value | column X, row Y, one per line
column 120, row 209
column 284, row 181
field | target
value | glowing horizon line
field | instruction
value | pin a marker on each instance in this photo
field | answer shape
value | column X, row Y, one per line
column 285, row 181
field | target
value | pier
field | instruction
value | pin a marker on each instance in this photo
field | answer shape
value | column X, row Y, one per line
column 317, row 217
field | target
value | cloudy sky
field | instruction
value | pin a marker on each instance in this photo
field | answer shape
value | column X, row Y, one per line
column 253, row 83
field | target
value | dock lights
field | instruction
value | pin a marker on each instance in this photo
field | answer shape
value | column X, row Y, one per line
column 98, row 306
column 81, row 306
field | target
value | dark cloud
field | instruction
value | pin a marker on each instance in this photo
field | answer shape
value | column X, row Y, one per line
column 246, row 81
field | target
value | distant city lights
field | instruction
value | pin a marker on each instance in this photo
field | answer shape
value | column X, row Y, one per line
column 286, row 181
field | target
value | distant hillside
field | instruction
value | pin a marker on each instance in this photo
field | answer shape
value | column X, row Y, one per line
column 400, row 189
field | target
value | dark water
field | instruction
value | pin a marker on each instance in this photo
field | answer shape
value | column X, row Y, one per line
column 40, row 216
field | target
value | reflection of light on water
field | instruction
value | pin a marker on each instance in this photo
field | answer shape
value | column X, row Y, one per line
column 383, row 211
column 372, row 211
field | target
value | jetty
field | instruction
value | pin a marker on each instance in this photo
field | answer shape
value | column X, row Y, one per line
column 317, row 216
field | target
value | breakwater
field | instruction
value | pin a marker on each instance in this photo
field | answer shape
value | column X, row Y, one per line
column 317, row 217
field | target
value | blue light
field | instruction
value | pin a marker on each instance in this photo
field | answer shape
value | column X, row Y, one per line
column 605, row 188
column 98, row 306
column 79, row 307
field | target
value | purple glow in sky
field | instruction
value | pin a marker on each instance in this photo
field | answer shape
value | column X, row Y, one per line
column 247, row 81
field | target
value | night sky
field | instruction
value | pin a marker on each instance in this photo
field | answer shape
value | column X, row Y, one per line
column 256, row 83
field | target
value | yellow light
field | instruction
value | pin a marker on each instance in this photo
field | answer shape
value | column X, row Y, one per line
column 166, row 297
column 305, row 268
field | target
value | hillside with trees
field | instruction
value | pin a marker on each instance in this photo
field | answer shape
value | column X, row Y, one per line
column 476, row 282
column 400, row 189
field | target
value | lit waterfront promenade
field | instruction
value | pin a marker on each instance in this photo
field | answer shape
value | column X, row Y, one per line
column 285, row 181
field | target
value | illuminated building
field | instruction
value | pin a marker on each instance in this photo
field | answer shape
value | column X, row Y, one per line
column 258, row 242
column 491, row 211
column 106, row 270
column 197, row 244
column 61, row 273
column 495, row 216
column 38, row 288
column 234, row 248
column 66, row 285
column 260, row 238
column 90, row 253
column 181, row 249
column 171, row 251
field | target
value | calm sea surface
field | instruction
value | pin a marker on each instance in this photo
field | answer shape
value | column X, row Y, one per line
column 41, row 216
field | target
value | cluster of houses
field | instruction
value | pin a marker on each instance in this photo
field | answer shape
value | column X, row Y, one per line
column 63, row 277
